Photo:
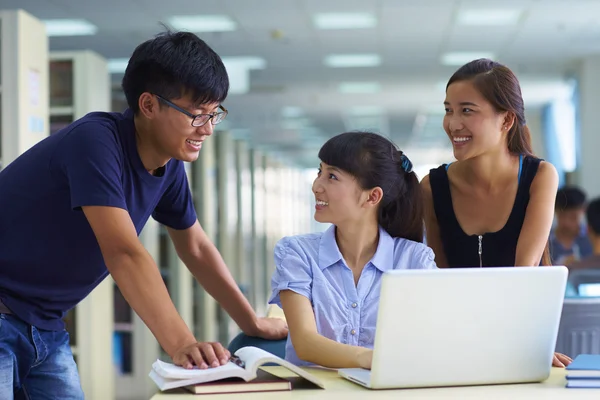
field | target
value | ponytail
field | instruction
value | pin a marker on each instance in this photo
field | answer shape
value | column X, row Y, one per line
column 519, row 139
column 402, row 215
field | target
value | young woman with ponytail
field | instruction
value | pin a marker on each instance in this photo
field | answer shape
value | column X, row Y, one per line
column 494, row 206
column 328, row 283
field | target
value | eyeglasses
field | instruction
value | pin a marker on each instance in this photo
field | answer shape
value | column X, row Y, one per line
column 198, row 119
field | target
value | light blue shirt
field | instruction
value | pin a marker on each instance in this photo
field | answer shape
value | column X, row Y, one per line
column 312, row 266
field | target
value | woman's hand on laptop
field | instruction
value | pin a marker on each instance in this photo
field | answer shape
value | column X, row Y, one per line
column 561, row 360
column 365, row 358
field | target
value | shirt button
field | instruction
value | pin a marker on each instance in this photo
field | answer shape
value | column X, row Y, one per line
column 353, row 332
column 354, row 305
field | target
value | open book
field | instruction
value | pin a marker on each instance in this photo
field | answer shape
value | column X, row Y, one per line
column 244, row 365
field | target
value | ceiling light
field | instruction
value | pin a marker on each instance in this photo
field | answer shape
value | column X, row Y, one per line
column 117, row 65
column 291, row 112
column 352, row 60
column 461, row 58
column 345, row 21
column 239, row 78
column 366, row 111
column 69, row 27
column 202, row 23
column 246, row 62
column 359, row 87
column 544, row 92
column 487, row 17
column 295, row 124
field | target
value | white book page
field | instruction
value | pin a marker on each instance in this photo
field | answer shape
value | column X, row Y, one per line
column 255, row 357
column 165, row 383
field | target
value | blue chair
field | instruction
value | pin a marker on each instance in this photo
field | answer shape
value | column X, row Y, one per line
column 276, row 347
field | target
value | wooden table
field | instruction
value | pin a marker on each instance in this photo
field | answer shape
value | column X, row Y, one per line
column 339, row 388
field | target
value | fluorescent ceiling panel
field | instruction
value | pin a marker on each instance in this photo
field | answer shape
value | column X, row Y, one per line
column 366, row 111
column 489, row 17
column 202, row 23
column 249, row 62
column 239, row 78
column 296, row 124
column 352, row 60
column 463, row 57
column 291, row 112
column 69, row 27
column 344, row 21
column 359, row 87
column 544, row 92
column 117, row 65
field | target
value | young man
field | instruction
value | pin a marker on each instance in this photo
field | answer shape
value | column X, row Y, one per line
column 568, row 241
column 593, row 230
column 74, row 204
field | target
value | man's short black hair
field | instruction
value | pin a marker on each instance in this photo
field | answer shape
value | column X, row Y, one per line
column 593, row 216
column 172, row 65
column 568, row 198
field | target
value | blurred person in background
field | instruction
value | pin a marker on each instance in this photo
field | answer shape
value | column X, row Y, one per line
column 592, row 214
column 569, row 241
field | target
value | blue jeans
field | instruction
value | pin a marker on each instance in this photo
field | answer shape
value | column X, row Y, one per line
column 36, row 364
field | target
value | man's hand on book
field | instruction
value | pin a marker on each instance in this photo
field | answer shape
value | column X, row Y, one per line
column 270, row 328
column 203, row 355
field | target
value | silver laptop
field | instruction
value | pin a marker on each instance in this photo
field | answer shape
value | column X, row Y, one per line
column 465, row 326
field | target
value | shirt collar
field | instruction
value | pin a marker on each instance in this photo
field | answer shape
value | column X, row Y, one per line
column 384, row 255
column 329, row 252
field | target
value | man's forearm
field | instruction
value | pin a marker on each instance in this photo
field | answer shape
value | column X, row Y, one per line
column 139, row 280
column 211, row 272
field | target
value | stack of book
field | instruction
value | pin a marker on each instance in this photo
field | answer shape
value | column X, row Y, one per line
column 241, row 374
column 584, row 372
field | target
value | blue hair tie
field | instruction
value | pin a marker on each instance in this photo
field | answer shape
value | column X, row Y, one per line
column 406, row 164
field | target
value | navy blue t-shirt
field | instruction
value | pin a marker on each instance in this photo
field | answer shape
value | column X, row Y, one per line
column 49, row 257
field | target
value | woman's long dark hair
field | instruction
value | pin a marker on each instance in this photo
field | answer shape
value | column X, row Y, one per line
column 376, row 162
column 501, row 88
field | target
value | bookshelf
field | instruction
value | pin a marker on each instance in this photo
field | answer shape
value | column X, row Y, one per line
column 227, row 221
column 23, row 83
column 135, row 346
column 204, row 187
column 79, row 83
column 258, row 223
column 243, row 226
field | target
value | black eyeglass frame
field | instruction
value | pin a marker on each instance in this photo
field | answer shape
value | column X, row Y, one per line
column 197, row 117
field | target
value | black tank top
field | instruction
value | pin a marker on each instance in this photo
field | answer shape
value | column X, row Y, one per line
column 495, row 249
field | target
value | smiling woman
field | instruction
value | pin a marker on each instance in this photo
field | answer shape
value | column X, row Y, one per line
column 494, row 206
column 328, row 283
